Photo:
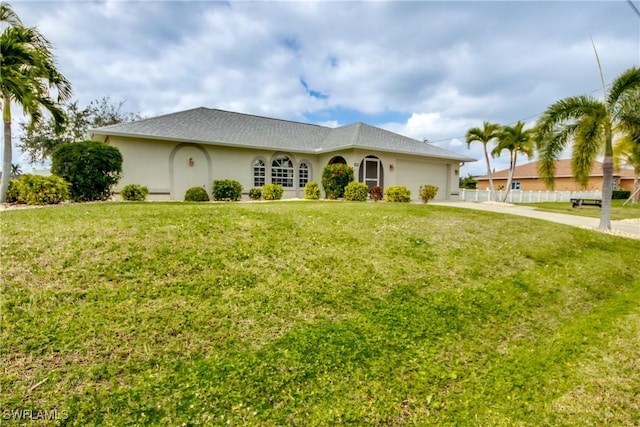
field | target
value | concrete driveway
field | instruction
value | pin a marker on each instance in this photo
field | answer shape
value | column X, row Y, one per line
column 627, row 228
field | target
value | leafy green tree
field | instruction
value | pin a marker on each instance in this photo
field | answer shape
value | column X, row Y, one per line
column 486, row 134
column 91, row 167
column 515, row 139
column 39, row 139
column 27, row 75
column 468, row 182
column 589, row 123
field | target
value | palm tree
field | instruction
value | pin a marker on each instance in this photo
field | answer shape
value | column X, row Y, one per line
column 588, row 123
column 27, row 72
column 515, row 140
column 488, row 133
column 627, row 148
column 16, row 170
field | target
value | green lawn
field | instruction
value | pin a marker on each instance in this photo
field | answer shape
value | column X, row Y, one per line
column 617, row 210
column 315, row 313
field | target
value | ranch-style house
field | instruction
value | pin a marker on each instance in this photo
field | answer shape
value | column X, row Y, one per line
column 174, row 152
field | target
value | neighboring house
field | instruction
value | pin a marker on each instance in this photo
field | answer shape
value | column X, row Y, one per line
column 174, row 152
column 526, row 178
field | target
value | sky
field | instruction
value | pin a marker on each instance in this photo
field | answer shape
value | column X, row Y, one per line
column 423, row 69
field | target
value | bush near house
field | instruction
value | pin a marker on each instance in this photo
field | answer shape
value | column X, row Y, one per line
column 227, row 190
column 134, row 192
column 255, row 193
column 312, row 191
column 196, row 194
column 272, row 192
column 621, row 194
column 356, row 191
column 38, row 190
column 376, row 193
column 397, row 193
column 335, row 178
column 91, row 167
column 12, row 191
column 427, row 192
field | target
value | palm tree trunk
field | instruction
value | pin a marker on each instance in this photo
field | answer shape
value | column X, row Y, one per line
column 607, row 190
column 6, row 159
column 636, row 187
column 512, row 168
column 491, row 187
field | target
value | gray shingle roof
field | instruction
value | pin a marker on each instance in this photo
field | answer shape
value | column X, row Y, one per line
column 218, row 127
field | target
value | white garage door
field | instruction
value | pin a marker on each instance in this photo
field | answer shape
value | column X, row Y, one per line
column 413, row 174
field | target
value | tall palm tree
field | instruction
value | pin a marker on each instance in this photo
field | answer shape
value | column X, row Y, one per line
column 488, row 133
column 589, row 124
column 627, row 148
column 514, row 139
column 27, row 73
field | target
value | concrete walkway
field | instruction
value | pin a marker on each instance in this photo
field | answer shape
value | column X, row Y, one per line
column 627, row 228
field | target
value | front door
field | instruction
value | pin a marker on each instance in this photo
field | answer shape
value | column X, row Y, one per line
column 371, row 172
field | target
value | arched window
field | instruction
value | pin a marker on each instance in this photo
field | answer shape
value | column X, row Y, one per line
column 303, row 174
column 282, row 171
column 337, row 160
column 259, row 173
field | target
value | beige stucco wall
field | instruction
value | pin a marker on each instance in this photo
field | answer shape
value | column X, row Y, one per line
column 168, row 168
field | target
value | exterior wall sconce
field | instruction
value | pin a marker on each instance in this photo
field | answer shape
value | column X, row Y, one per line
column 456, row 171
column 191, row 162
column 390, row 167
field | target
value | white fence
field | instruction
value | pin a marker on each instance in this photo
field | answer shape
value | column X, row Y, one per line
column 516, row 196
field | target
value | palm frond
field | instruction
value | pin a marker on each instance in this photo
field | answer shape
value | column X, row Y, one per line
column 589, row 138
column 628, row 81
column 551, row 149
column 7, row 15
column 565, row 110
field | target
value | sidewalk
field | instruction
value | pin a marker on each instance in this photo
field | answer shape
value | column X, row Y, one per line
column 628, row 228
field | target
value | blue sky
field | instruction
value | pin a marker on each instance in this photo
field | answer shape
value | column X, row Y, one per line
column 424, row 69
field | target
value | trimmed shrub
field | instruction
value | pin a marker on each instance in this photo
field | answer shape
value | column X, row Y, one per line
column 12, row 191
column 428, row 192
column 40, row 190
column 335, row 178
column 227, row 190
column 272, row 191
column 91, row 167
column 376, row 193
column 356, row 191
column 134, row 192
column 621, row 194
column 196, row 194
column 397, row 193
column 255, row 193
column 312, row 191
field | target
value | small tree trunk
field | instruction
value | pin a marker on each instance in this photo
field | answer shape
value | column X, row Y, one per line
column 491, row 187
column 512, row 168
column 636, row 187
column 6, row 159
column 607, row 190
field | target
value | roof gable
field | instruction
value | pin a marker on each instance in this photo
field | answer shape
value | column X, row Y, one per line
column 219, row 127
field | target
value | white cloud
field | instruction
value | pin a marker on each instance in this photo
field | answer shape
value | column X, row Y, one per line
column 441, row 67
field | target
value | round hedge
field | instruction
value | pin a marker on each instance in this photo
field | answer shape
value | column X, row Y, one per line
column 196, row 194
